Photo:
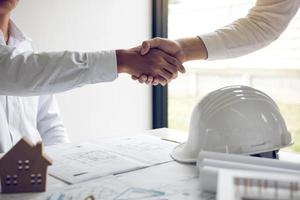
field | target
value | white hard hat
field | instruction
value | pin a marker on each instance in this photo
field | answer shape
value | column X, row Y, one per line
column 234, row 119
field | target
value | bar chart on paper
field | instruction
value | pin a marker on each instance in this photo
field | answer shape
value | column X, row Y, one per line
column 264, row 189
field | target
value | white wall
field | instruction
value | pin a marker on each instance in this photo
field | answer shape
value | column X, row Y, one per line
column 92, row 25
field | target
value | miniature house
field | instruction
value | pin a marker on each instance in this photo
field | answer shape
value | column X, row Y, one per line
column 24, row 168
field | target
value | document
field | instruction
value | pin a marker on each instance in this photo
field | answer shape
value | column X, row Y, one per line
column 176, row 181
column 239, row 185
column 74, row 163
column 211, row 164
column 107, row 188
column 146, row 149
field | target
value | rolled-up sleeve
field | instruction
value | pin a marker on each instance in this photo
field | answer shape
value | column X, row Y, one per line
column 263, row 24
column 33, row 74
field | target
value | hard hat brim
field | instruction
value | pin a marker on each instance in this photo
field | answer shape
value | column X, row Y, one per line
column 181, row 154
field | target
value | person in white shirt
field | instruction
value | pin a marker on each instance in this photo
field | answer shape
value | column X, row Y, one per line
column 263, row 24
column 28, row 80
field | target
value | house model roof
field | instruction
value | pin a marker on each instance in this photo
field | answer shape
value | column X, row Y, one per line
column 25, row 148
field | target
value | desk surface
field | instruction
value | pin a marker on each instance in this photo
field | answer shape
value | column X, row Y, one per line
column 171, row 176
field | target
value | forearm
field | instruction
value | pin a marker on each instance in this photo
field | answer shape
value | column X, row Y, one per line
column 32, row 74
column 193, row 49
column 123, row 59
column 264, row 23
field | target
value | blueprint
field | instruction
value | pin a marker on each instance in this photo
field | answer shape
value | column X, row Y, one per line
column 175, row 181
column 144, row 148
column 75, row 163
column 107, row 188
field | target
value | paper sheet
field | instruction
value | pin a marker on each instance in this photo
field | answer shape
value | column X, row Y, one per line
column 107, row 188
column 75, row 163
column 239, row 185
column 211, row 163
column 175, row 180
column 144, row 148
column 172, row 135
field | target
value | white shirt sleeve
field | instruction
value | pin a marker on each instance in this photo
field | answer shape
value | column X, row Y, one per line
column 33, row 74
column 49, row 122
column 263, row 24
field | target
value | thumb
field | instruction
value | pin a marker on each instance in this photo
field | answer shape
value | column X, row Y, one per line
column 146, row 46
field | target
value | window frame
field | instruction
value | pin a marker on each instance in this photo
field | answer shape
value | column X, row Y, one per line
column 160, row 93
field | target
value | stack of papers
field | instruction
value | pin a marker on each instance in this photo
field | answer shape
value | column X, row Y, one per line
column 260, row 177
column 74, row 163
column 253, row 185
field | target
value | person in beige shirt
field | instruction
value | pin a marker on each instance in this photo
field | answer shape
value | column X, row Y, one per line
column 263, row 24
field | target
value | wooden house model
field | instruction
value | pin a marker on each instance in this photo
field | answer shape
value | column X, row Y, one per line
column 24, row 168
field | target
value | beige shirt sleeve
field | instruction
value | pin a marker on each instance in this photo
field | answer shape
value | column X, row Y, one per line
column 263, row 24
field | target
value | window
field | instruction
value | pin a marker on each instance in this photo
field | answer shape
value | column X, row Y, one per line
column 23, row 165
column 274, row 69
column 11, row 180
column 36, row 179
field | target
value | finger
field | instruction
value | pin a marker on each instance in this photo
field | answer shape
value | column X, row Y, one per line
column 134, row 77
column 175, row 62
column 172, row 70
column 143, row 78
column 163, row 81
column 182, row 69
column 165, row 74
column 148, row 44
column 149, row 80
column 155, row 81
column 159, row 80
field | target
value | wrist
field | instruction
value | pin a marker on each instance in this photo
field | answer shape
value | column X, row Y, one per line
column 193, row 48
column 122, row 59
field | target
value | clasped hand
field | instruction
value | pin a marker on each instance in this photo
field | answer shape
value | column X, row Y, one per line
column 156, row 61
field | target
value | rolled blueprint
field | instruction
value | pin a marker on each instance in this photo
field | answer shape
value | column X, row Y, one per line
column 208, row 178
column 248, row 160
column 244, row 166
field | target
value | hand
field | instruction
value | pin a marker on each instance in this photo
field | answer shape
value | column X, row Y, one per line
column 171, row 47
column 155, row 63
column 184, row 49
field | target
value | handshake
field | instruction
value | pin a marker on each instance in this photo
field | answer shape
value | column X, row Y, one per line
column 156, row 61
